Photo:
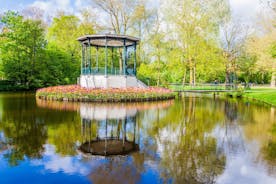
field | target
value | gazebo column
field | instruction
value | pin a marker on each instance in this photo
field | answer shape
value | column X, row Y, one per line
column 97, row 59
column 105, row 139
column 134, row 131
column 89, row 57
column 134, row 67
column 124, row 57
column 98, row 127
column 82, row 57
column 105, row 67
column 125, row 128
column 112, row 65
column 124, row 132
column 85, row 60
column 90, row 137
column 82, row 130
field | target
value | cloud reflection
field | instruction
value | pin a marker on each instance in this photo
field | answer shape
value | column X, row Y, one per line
column 56, row 163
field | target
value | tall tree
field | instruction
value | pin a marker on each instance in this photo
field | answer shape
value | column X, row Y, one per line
column 63, row 32
column 120, row 13
column 22, row 45
column 125, row 17
column 232, row 42
column 262, row 43
column 194, row 23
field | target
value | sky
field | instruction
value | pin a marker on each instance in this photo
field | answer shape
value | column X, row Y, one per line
column 244, row 10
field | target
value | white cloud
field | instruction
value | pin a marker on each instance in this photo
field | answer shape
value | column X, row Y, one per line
column 245, row 9
column 53, row 6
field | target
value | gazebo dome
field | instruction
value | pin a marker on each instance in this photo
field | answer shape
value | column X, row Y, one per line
column 111, row 40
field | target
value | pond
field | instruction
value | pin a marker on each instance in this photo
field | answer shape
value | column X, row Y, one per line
column 188, row 140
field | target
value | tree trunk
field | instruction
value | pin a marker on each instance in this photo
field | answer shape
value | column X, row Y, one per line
column 184, row 77
column 158, row 74
column 273, row 80
column 194, row 74
column 191, row 72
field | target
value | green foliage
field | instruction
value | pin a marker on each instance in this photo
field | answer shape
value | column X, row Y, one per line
column 61, row 67
column 246, row 65
column 22, row 47
column 273, row 50
column 63, row 32
column 28, row 62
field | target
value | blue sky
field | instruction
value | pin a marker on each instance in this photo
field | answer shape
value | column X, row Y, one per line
column 242, row 9
column 48, row 6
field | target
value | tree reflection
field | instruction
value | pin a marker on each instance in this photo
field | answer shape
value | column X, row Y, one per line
column 24, row 132
column 232, row 141
column 261, row 129
column 26, row 128
column 189, row 154
column 65, row 136
column 269, row 148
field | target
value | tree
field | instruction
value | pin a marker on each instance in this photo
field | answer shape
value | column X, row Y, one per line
column 194, row 25
column 125, row 17
column 157, row 42
column 22, row 46
column 262, row 43
column 232, row 43
column 63, row 32
column 64, row 50
column 120, row 12
column 246, row 66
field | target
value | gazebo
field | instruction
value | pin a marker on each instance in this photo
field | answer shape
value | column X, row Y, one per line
column 108, row 130
column 109, row 61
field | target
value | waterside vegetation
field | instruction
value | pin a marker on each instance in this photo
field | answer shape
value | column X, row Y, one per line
column 78, row 93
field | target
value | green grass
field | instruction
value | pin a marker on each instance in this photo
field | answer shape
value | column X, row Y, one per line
column 267, row 95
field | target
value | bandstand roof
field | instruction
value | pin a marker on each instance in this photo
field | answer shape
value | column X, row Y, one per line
column 109, row 40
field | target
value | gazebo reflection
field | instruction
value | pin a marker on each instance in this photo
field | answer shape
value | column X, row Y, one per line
column 107, row 129
column 115, row 130
column 113, row 136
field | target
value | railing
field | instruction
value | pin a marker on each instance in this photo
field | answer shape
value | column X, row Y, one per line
column 110, row 71
column 202, row 86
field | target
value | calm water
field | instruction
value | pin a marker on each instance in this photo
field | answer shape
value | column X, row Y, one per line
column 193, row 140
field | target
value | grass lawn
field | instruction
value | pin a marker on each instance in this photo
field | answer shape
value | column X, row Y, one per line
column 267, row 95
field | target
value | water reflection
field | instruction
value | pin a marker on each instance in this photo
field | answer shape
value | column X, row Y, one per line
column 108, row 131
column 192, row 140
column 188, row 153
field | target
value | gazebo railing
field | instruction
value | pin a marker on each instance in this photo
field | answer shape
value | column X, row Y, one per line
column 110, row 71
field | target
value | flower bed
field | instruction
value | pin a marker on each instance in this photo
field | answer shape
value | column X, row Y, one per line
column 78, row 93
